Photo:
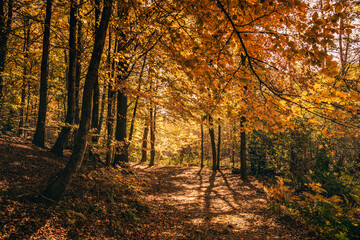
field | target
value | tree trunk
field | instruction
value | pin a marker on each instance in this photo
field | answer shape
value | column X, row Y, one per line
column 102, row 110
column 340, row 44
column 202, row 146
column 79, row 50
column 57, row 187
column 121, row 153
column 132, row 124
column 95, row 112
column 136, row 101
column 5, row 27
column 96, row 95
column 70, row 114
column 110, row 106
column 213, row 145
column 144, row 143
column 39, row 136
column 243, row 168
column 78, row 70
column 25, row 73
column 152, row 135
column 218, row 149
column 232, row 139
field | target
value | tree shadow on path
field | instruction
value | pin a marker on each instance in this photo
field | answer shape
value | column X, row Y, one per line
column 204, row 204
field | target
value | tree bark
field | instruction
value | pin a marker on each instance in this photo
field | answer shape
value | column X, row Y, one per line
column 78, row 70
column 218, row 149
column 232, row 139
column 70, row 114
column 102, row 110
column 39, row 136
column 121, row 153
column 213, row 145
column 95, row 112
column 144, row 142
column 96, row 95
column 57, row 187
column 5, row 28
column 340, row 44
column 152, row 135
column 202, row 146
column 110, row 106
column 25, row 74
column 136, row 101
column 243, row 168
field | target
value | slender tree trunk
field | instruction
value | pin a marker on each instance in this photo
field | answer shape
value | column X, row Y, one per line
column 70, row 115
column 79, row 50
column 95, row 113
column 96, row 95
column 110, row 125
column 132, row 124
column 22, row 107
column 347, row 46
column 39, row 136
column 202, row 146
column 110, row 106
column 5, row 28
column 152, row 135
column 232, row 139
column 136, row 101
column 218, row 149
column 25, row 73
column 340, row 44
column 102, row 110
column 78, row 70
column 243, row 168
column 57, row 187
column 144, row 142
column 213, row 145
column 121, row 153
column 28, row 108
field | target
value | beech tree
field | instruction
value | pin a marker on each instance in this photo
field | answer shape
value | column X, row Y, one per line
column 71, row 80
column 26, row 49
column 5, row 28
column 39, row 136
column 121, row 152
column 56, row 188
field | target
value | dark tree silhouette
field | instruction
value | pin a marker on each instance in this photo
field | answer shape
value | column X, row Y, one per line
column 39, row 136
column 58, row 185
column 70, row 114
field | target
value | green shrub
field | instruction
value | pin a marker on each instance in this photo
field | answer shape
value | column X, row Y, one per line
column 329, row 216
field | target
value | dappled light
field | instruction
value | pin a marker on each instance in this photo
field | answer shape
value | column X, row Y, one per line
column 180, row 119
column 212, row 205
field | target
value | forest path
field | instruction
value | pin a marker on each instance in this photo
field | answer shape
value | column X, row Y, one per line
column 209, row 205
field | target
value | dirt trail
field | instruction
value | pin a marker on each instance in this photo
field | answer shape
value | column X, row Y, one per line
column 209, row 205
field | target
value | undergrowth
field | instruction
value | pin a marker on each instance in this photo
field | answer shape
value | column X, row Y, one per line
column 110, row 204
column 328, row 215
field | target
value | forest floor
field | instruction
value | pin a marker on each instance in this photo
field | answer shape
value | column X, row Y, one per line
column 161, row 202
column 203, row 204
